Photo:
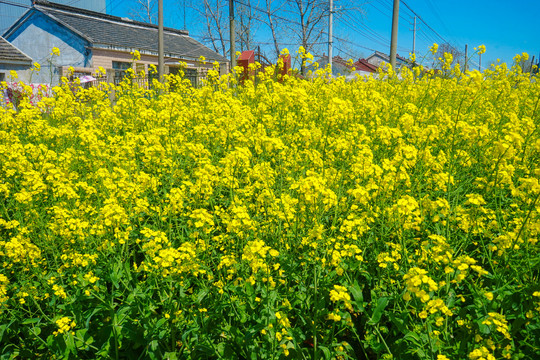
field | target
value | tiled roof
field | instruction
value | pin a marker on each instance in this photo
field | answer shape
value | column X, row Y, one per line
column 109, row 31
column 364, row 65
column 387, row 57
column 8, row 53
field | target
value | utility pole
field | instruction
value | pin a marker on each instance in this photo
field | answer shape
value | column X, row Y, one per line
column 184, row 14
column 161, row 58
column 232, row 34
column 479, row 62
column 414, row 37
column 330, row 33
column 393, row 40
column 466, row 59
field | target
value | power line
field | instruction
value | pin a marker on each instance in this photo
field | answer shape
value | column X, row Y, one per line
column 266, row 12
column 378, row 39
column 14, row 4
column 367, row 28
column 345, row 52
column 437, row 15
column 422, row 20
column 355, row 44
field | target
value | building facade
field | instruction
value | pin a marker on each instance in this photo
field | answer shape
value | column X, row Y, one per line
column 87, row 40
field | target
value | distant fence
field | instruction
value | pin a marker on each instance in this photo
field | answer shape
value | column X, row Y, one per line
column 195, row 76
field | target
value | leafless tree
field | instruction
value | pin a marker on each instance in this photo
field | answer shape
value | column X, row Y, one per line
column 526, row 65
column 309, row 19
column 289, row 23
column 247, row 22
column 270, row 20
column 144, row 10
column 457, row 55
column 215, row 15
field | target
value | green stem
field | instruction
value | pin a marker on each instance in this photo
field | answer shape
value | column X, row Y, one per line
column 384, row 342
column 315, row 313
column 514, row 243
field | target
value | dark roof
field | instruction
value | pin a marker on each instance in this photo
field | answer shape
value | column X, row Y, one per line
column 107, row 31
column 9, row 53
column 341, row 61
column 387, row 57
column 364, row 65
column 336, row 60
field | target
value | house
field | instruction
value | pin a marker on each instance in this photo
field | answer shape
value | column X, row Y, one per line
column 341, row 66
column 88, row 40
column 11, row 10
column 12, row 58
column 362, row 65
column 378, row 58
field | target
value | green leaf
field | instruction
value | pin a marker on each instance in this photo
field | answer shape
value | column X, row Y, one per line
column 116, row 274
column 220, row 349
column 413, row 337
column 483, row 328
column 50, row 340
column 170, row 356
column 70, row 344
column 377, row 313
column 36, row 331
column 326, row 352
column 249, row 288
column 398, row 321
column 92, row 313
column 31, row 321
column 201, row 295
column 160, row 323
column 356, row 292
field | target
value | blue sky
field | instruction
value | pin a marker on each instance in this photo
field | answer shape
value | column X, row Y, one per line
column 504, row 27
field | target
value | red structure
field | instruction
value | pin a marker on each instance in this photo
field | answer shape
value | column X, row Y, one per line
column 286, row 65
column 244, row 60
column 247, row 58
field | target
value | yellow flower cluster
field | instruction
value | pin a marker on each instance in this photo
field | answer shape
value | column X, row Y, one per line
column 417, row 282
column 423, row 184
column 499, row 322
column 340, row 294
column 65, row 324
column 255, row 253
column 481, row 353
column 4, row 281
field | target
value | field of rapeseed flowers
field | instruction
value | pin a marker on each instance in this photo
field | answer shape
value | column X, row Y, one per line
column 388, row 218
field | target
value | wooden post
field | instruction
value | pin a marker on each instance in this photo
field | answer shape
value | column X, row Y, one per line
column 393, row 39
column 161, row 58
column 232, row 34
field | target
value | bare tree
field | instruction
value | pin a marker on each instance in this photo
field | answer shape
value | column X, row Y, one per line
column 247, row 20
column 271, row 22
column 309, row 19
column 215, row 14
column 144, row 10
column 457, row 55
column 302, row 22
column 526, row 65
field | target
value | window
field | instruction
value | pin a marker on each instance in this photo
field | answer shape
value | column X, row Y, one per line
column 189, row 73
column 121, row 65
column 120, row 68
column 139, row 67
